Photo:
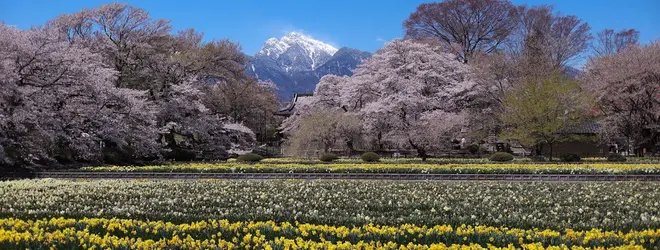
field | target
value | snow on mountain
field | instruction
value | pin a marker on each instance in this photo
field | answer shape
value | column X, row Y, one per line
column 273, row 47
column 300, row 45
column 296, row 62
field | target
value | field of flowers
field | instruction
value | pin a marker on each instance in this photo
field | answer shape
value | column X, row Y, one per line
column 525, row 205
column 296, row 214
column 90, row 233
column 474, row 168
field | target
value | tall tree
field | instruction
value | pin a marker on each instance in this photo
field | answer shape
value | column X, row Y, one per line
column 474, row 25
column 248, row 102
column 544, row 42
column 138, row 57
column 496, row 74
column 609, row 42
column 539, row 111
column 552, row 36
column 127, row 37
column 144, row 52
column 627, row 88
column 148, row 57
column 58, row 104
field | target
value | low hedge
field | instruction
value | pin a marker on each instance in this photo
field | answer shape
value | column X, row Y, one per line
column 328, row 157
column 370, row 157
column 570, row 158
column 501, row 157
column 614, row 157
column 250, row 158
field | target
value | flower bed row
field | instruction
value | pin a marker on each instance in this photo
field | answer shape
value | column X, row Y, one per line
column 514, row 168
column 483, row 160
column 221, row 234
column 526, row 205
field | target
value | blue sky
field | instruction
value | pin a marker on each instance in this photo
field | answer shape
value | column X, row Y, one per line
column 361, row 24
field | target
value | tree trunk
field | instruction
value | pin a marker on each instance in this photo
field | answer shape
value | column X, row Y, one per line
column 349, row 145
column 550, row 147
column 379, row 145
column 421, row 152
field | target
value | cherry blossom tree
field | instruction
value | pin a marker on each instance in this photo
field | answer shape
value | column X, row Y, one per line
column 627, row 87
column 126, row 36
column 406, row 90
column 112, row 84
column 193, row 132
column 59, row 103
column 171, row 67
column 435, row 132
column 405, row 82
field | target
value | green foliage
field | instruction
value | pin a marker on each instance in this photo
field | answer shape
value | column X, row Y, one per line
column 540, row 110
column 570, row 158
column 370, row 157
column 501, row 156
column 328, row 157
column 614, row 157
column 250, row 157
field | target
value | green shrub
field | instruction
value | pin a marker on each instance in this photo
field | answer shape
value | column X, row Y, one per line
column 614, row 157
column 328, row 157
column 473, row 148
column 370, row 157
column 250, row 157
column 570, row 158
column 501, row 156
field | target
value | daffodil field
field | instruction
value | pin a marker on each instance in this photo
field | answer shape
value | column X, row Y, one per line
column 325, row 214
column 474, row 168
column 221, row 234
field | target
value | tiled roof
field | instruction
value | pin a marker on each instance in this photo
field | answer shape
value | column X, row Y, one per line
column 586, row 127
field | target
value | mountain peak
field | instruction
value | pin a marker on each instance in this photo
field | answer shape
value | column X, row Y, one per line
column 316, row 51
column 296, row 62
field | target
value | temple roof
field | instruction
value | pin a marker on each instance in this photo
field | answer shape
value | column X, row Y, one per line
column 586, row 127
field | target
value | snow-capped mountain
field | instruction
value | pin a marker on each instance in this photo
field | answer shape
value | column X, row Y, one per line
column 296, row 62
column 297, row 50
